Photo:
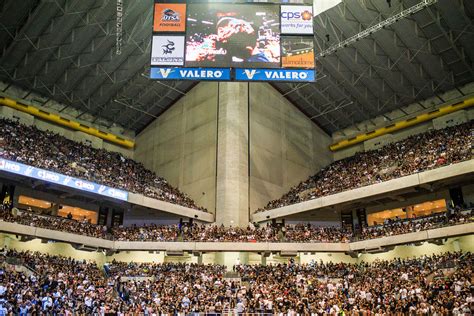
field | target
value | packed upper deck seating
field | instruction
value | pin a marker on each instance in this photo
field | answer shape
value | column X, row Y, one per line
column 51, row 151
column 417, row 153
column 306, row 233
column 439, row 284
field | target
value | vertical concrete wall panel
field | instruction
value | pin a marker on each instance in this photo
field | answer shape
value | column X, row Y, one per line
column 286, row 147
column 180, row 145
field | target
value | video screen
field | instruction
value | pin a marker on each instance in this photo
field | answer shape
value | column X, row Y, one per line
column 233, row 35
column 297, row 52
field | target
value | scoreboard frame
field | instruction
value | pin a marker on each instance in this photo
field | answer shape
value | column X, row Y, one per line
column 230, row 73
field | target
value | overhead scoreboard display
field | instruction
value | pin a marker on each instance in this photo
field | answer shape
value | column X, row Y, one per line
column 248, row 41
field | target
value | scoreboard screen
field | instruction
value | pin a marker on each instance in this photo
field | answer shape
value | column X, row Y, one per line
column 233, row 35
column 232, row 41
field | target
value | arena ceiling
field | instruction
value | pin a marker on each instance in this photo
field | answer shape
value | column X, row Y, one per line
column 65, row 50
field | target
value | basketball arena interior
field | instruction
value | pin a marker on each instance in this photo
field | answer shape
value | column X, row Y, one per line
column 149, row 165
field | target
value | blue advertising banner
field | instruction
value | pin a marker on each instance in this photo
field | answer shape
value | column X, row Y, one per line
column 53, row 177
column 221, row 74
column 294, row 75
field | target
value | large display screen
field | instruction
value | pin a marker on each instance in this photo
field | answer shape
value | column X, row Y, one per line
column 233, row 35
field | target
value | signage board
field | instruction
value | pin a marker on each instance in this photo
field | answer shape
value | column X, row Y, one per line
column 167, row 51
column 166, row 73
column 289, row 75
column 296, row 19
column 57, row 178
column 169, row 17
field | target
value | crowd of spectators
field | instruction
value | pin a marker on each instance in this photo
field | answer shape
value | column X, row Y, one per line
column 82, row 227
column 428, row 285
column 54, row 286
column 398, row 287
column 414, row 154
column 216, row 233
column 51, row 151
column 253, row 233
column 398, row 227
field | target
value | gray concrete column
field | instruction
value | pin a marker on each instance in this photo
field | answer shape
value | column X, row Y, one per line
column 456, row 245
column 232, row 194
column 264, row 260
column 200, row 259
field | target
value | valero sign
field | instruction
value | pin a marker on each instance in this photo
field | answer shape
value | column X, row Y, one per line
column 220, row 74
column 289, row 75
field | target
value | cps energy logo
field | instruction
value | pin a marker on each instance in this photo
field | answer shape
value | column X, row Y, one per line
column 169, row 17
column 296, row 19
column 305, row 15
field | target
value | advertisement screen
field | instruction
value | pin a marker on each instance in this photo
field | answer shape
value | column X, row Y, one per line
column 53, row 177
column 169, row 17
column 297, row 52
column 296, row 19
column 167, row 51
column 233, row 35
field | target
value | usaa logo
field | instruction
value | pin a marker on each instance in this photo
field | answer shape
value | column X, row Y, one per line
column 169, row 15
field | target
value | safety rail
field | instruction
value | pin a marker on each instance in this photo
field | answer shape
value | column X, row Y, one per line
column 440, row 220
column 95, row 244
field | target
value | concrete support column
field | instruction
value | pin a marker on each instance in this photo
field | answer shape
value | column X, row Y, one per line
column 108, row 221
column 54, row 209
column 230, row 259
column 232, row 192
column 199, row 259
column 456, row 246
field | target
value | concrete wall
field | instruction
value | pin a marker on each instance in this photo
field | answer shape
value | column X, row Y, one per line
column 77, row 136
column 286, row 147
column 138, row 215
column 53, row 248
column 464, row 243
column 180, row 145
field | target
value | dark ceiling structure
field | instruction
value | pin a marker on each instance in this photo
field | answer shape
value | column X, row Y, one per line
column 65, row 50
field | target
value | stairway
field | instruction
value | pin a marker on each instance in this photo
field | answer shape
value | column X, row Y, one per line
column 231, row 275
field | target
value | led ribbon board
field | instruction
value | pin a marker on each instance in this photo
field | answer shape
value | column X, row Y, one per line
column 247, row 41
column 56, row 178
